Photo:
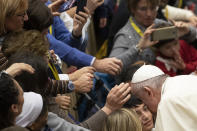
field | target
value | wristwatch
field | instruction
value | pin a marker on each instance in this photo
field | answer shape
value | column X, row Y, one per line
column 71, row 87
column 138, row 48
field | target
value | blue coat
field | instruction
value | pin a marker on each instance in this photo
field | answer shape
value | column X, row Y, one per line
column 60, row 32
column 62, row 42
column 68, row 54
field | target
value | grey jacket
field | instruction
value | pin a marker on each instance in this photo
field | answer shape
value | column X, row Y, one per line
column 125, row 43
column 58, row 124
column 94, row 123
column 126, row 40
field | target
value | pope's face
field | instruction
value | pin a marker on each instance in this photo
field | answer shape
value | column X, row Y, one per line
column 152, row 104
column 149, row 98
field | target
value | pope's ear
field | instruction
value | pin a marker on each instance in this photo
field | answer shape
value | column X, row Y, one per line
column 148, row 91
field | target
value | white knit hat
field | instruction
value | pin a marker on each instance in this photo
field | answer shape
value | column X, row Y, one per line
column 146, row 72
column 32, row 108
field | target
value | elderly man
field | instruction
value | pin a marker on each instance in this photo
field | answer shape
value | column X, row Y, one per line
column 172, row 98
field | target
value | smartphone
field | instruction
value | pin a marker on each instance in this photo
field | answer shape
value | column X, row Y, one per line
column 164, row 33
column 80, row 5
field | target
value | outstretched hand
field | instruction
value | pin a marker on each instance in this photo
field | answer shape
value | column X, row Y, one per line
column 117, row 97
column 193, row 20
column 111, row 66
column 63, row 101
column 183, row 28
column 55, row 6
column 17, row 68
column 79, row 21
column 78, row 73
column 84, row 84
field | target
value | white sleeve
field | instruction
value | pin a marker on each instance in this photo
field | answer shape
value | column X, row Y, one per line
column 68, row 21
column 176, row 13
column 92, row 62
column 85, row 28
column 59, row 62
column 63, row 76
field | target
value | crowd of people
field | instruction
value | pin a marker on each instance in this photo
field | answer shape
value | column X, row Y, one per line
column 102, row 54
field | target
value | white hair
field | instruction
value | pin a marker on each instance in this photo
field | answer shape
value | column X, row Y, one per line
column 154, row 82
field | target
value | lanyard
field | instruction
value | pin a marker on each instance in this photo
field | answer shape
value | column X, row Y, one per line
column 166, row 13
column 180, row 3
column 54, row 71
column 137, row 29
column 50, row 30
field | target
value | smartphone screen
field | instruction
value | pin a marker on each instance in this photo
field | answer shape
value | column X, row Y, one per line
column 80, row 5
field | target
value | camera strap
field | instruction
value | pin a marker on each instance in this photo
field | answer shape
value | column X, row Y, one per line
column 54, row 71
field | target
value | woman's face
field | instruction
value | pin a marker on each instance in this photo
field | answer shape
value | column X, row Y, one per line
column 145, row 117
column 16, row 22
column 144, row 13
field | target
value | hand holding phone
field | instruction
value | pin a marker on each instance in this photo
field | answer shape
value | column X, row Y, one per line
column 145, row 41
column 80, row 5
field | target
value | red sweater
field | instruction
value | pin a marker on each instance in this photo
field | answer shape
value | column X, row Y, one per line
column 189, row 56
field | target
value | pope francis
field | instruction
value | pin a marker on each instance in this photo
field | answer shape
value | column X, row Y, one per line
column 173, row 99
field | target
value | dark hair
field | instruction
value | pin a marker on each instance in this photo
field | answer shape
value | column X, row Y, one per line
column 44, row 109
column 43, row 113
column 128, row 73
column 8, row 95
column 132, row 4
column 39, row 14
column 36, row 82
column 133, row 102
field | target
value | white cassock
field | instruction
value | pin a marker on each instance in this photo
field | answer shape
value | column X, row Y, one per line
column 177, row 110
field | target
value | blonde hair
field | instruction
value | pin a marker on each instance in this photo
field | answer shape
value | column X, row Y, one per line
column 9, row 8
column 122, row 120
